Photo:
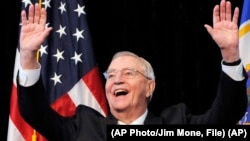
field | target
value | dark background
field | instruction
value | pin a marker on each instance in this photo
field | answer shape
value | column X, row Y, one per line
column 168, row 33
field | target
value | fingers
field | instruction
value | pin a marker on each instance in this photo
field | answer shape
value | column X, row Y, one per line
column 23, row 17
column 222, row 10
column 236, row 15
column 26, row 20
column 216, row 14
column 31, row 14
column 43, row 17
column 37, row 13
column 228, row 11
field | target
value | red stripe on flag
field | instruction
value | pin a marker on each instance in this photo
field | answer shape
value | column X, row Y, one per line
column 24, row 128
column 93, row 80
column 64, row 105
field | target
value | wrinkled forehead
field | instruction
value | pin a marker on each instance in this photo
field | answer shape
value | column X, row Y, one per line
column 125, row 62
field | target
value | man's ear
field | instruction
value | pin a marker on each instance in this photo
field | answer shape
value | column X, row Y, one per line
column 151, row 88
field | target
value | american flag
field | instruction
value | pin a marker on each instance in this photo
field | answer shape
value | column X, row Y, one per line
column 69, row 70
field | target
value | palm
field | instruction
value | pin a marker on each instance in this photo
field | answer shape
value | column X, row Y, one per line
column 30, row 37
column 225, row 34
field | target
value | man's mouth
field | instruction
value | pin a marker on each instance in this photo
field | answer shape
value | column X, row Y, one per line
column 121, row 92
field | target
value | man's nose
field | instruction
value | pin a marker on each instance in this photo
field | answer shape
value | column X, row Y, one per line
column 118, row 78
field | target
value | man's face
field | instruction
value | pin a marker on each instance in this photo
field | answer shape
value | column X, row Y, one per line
column 126, row 89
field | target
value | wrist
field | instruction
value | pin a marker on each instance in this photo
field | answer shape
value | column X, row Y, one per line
column 234, row 63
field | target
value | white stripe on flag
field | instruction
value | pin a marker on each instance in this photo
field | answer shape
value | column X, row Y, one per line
column 80, row 94
column 13, row 132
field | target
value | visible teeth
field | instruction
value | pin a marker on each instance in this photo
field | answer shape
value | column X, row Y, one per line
column 120, row 92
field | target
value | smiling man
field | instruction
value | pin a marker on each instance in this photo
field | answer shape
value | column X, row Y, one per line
column 129, row 86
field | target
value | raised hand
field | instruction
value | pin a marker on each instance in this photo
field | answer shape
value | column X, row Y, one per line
column 32, row 35
column 225, row 30
column 33, row 31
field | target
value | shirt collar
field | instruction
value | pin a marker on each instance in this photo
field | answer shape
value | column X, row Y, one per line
column 138, row 121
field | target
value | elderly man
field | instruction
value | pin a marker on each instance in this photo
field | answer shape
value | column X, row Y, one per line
column 130, row 83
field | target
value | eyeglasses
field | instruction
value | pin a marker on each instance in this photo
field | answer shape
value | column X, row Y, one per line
column 127, row 73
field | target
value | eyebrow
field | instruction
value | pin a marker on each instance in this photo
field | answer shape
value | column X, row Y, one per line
column 111, row 70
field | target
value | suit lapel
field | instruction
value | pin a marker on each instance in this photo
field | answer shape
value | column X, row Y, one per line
column 111, row 120
column 152, row 119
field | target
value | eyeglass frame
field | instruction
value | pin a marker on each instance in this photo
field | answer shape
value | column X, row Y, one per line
column 131, row 69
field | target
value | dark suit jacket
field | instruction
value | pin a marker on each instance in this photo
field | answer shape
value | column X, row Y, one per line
column 89, row 125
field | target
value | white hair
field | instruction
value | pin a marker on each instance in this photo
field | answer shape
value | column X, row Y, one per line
column 147, row 68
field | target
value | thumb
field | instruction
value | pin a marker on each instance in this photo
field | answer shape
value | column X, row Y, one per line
column 209, row 28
